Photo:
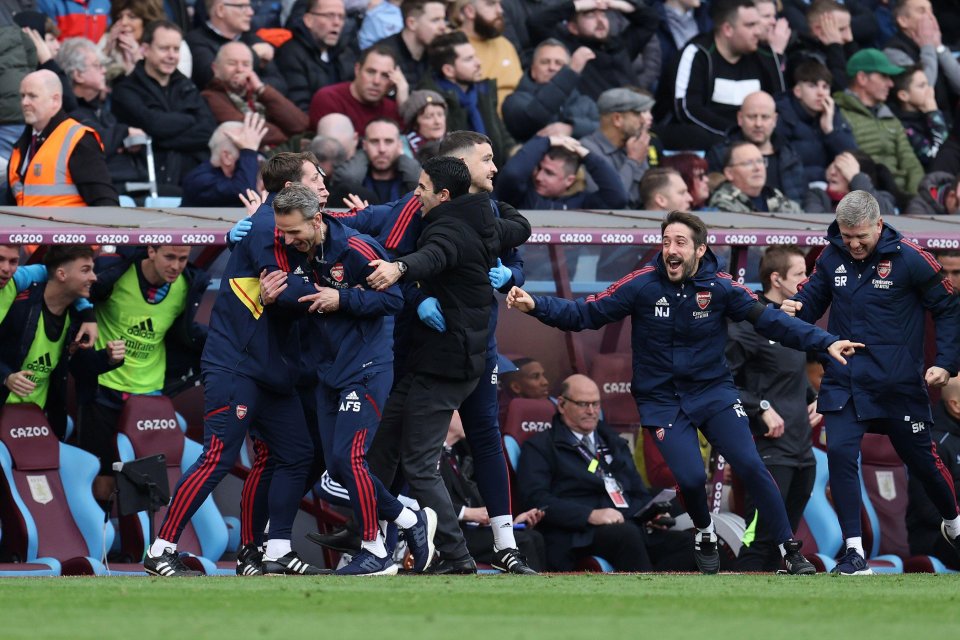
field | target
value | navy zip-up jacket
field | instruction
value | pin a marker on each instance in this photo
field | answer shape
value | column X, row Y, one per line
column 679, row 333
column 882, row 302
column 353, row 340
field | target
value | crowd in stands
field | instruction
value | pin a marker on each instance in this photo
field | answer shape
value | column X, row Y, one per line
column 832, row 96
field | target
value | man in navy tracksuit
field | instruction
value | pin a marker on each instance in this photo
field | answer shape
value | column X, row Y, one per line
column 397, row 226
column 354, row 359
column 679, row 305
column 879, row 287
column 250, row 371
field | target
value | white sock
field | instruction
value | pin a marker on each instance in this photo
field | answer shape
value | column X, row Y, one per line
column 375, row 546
column 406, row 519
column 503, row 532
column 708, row 529
column 159, row 546
column 952, row 527
column 856, row 543
column 276, row 549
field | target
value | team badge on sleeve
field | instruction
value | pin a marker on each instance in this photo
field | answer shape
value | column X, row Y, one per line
column 336, row 272
column 241, row 411
column 884, row 267
column 661, row 432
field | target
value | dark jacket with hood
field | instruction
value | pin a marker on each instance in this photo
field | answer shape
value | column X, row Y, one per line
column 931, row 192
column 301, row 62
column 532, row 106
column 802, row 132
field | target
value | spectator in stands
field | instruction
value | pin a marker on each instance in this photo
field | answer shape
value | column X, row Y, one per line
column 915, row 105
column 849, row 171
column 775, row 32
column 329, row 153
column 121, row 43
column 146, row 297
column 382, row 19
column 745, row 188
column 863, row 21
column 923, row 520
column 700, row 95
column 949, row 259
column 75, row 19
column 938, row 194
column 877, row 131
column 810, row 122
column 340, row 128
column 457, row 472
column 232, row 167
column 680, row 22
column 379, row 172
column 528, row 381
column 829, row 41
column 34, row 353
column 663, row 189
column 543, row 173
column 693, row 170
column 781, row 405
column 482, row 22
column 365, row 97
column 756, row 123
column 585, row 23
column 159, row 99
column 318, row 55
column 591, row 506
column 236, row 90
column 230, row 22
column 471, row 100
column 547, row 102
column 83, row 63
column 624, row 138
column 423, row 20
column 425, row 119
column 57, row 162
column 918, row 42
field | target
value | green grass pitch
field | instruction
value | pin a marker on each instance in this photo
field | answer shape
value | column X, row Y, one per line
column 584, row 607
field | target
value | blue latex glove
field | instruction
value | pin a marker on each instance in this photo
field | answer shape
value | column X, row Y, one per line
column 500, row 275
column 240, row 230
column 431, row 314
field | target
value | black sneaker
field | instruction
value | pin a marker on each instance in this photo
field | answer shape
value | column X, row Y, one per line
column 168, row 565
column 419, row 538
column 444, row 567
column 852, row 564
column 796, row 564
column 954, row 542
column 291, row 565
column 250, row 561
column 343, row 539
column 511, row 561
column 705, row 552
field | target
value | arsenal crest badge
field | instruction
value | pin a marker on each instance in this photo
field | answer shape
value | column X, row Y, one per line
column 703, row 299
column 661, row 432
column 336, row 272
column 884, row 267
column 241, row 411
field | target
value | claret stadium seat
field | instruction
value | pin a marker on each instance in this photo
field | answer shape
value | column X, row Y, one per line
column 148, row 426
column 613, row 372
column 49, row 514
column 525, row 418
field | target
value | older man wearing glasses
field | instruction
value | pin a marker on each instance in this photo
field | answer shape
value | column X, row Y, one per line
column 745, row 188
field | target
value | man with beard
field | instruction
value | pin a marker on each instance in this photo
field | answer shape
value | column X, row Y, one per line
column 679, row 305
column 379, row 172
column 482, row 21
column 423, row 20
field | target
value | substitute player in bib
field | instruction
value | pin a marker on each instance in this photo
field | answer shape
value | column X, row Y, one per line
column 679, row 305
column 879, row 287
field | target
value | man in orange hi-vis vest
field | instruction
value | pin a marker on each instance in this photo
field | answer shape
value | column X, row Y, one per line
column 57, row 162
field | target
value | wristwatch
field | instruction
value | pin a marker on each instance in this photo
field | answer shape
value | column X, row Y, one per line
column 941, row 49
column 764, row 405
column 402, row 266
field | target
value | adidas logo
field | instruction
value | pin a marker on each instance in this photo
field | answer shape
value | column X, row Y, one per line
column 662, row 302
column 43, row 364
column 298, row 271
column 841, row 269
column 353, row 396
column 143, row 329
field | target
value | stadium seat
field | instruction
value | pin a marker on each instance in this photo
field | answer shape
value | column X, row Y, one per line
column 885, row 481
column 525, row 418
column 148, row 426
column 162, row 202
column 821, row 519
column 47, row 506
column 127, row 201
column 613, row 372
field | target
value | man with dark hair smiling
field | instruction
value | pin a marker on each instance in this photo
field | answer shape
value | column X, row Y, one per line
column 679, row 304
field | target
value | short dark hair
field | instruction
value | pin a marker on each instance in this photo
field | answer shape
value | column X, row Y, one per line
column 727, row 10
column 728, row 154
column 653, row 181
column 415, row 8
column 813, row 71
column 283, row 168
column 151, row 29
column 776, row 259
column 898, row 9
column 448, row 173
column 901, row 82
column 380, row 49
column 382, row 120
column 443, row 50
column 571, row 161
column 821, row 7
column 60, row 254
column 695, row 224
column 947, row 253
column 463, row 140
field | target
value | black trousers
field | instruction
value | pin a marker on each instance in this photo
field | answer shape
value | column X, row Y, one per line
column 796, row 485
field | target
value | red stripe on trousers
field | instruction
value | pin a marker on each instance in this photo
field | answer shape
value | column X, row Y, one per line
column 248, row 495
column 216, row 411
column 373, row 403
column 369, row 495
column 364, row 514
column 191, row 487
column 944, row 471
